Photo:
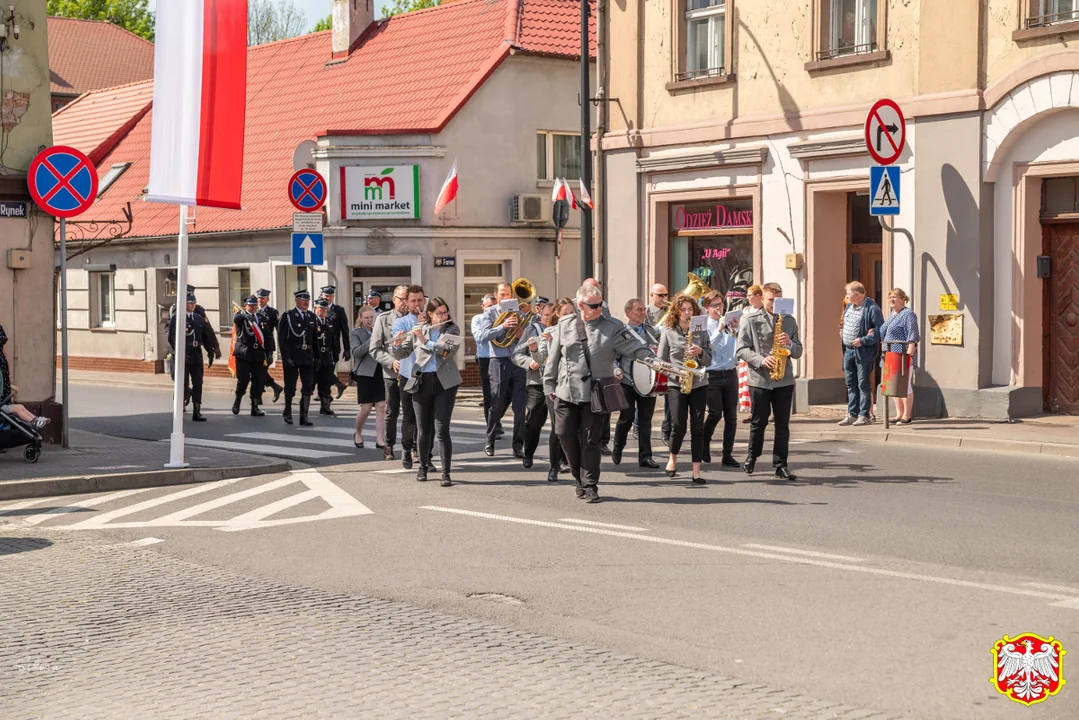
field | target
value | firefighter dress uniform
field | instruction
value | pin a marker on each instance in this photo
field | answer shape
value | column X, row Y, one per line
column 198, row 335
column 250, row 353
column 272, row 318
column 296, row 342
column 327, row 352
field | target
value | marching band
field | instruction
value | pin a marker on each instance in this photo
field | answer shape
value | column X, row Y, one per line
column 567, row 362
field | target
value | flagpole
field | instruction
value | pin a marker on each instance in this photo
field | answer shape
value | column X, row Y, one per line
column 176, row 440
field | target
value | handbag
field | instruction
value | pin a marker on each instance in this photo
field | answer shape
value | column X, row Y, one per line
column 606, row 395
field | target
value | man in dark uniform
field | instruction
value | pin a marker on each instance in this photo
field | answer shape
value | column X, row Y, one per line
column 213, row 348
column 327, row 353
column 339, row 323
column 198, row 336
column 272, row 318
column 296, row 337
column 249, row 350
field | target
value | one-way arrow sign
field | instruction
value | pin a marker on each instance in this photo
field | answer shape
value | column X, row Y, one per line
column 307, row 249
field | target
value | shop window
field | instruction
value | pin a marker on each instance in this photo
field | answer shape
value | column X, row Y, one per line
column 481, row 278
column 558, row 155
column 849, row 28
column 714, row 241
column 103, row 299
column 1043, row 13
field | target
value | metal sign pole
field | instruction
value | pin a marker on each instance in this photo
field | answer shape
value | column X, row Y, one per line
column 63, row 330
column 179, row 353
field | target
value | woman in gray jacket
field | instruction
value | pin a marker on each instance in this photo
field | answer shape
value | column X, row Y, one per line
column 674, row 348
column 370, row 390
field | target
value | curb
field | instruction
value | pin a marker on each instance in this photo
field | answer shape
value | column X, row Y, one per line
column 1026, row 447
column 79, row 484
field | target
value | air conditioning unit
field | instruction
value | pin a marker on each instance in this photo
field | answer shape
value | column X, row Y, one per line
column 530, row 209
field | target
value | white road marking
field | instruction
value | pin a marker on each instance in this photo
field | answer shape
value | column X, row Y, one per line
column 606, row 525
column 287, row 440
column 288, row 452
column 1058, row 600
column 146, row 541
column 82, row 505
column 194, row 510
column 117, row 467
column 367, row 433
column 457, row 464
column 807, row 553
column 15, row 507
column 1044, row 586
column 99, row 520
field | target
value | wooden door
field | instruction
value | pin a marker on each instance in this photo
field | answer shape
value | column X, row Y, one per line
column 865, row 264
column 1061, row 341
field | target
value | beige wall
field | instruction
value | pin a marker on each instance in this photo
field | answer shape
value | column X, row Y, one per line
column 26, row 296
column 1003, row 52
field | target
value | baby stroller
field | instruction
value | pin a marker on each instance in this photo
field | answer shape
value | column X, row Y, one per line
column 16, row 433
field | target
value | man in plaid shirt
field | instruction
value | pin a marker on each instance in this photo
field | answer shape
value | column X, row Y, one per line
column 860, row 334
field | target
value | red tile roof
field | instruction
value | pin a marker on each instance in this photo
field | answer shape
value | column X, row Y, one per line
column 87, row 55
column 411, row 74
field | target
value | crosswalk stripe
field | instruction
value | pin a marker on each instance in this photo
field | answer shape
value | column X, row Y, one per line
column 273, row 508
column 227, row 500
column 455, row 431
column 99, row 520
column 289, row 452
column 293, row 439
column 82, row 505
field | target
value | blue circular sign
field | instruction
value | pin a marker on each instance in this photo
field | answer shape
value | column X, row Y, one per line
column 307, row 190
column 62, row 181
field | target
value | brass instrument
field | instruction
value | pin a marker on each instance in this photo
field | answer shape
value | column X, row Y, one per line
column 696, row 289
column 525, row 292
column 779, row 352
column 684, row 374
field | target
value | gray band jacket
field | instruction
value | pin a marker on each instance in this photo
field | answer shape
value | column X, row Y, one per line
column 522, row 357
column 755, row 337
column 363, row 362
column 565, row 373
column 672, row 348
column 382, row 342
column 445, row 354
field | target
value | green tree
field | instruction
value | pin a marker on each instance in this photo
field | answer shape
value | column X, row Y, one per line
column 269, row 21
column 404, row 6
column 130, row 14
column 325, row 23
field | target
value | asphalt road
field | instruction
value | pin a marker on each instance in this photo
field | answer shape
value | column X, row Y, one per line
column 881, row 578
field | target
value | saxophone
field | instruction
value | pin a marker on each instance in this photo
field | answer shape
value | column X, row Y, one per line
column 779, row 352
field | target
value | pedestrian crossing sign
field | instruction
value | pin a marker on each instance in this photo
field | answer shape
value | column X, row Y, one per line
column 884, row 190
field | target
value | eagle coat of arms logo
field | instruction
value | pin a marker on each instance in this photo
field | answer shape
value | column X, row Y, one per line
column 1028, row 668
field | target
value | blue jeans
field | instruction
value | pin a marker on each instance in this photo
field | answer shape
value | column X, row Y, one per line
column 859, row 377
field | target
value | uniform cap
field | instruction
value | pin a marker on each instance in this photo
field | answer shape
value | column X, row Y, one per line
column 262, row 292
column 251, row 300
column 191, row 288
column 329, row 290
column 540, row 300
column 302, row 295
column 322, row 303
column 191, row 297
column 374, row 293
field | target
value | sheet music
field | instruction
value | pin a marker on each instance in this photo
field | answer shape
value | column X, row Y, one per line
column 783, row 305
column 699, row 323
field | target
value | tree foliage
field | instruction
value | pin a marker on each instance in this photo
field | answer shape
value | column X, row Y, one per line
column 132, row 15
column 325, row 23
column 403, row 6
column 269, row 21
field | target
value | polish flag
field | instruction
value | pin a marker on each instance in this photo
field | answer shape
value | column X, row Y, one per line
column 200, row 95
column 586, row 199
column 570, row 196
column 559, row 192
column 448, row 193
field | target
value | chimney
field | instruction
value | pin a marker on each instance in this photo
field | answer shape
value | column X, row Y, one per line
column 350, row 19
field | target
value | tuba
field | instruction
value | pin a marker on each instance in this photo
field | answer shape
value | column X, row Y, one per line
column 779, row 352
column 696, row 289
column 525, row 292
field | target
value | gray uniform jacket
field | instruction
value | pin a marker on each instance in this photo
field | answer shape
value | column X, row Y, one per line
column 445, row 356
column 653, row 314
column 522, row 357
column 672, row 348
column 566, row 375
column 363, row 362
column 756, row 333
column 651, row 338
column 382, row 342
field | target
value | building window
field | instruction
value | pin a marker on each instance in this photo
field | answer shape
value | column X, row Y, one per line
column 714, row 241
column 706, row 30
column 481, row 278
column 850, row 27
column 296, row 279
column 558, row 155
column 1043, row 13
column 103, row 299
column 110, row 177
column 1060, row 196
column 239, row 289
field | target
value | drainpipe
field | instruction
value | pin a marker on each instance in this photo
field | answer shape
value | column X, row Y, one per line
column 587, row 268
column 600, row 213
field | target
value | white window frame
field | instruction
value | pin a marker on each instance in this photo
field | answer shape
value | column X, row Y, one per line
column 111, row 176
column 96, row 318
column 549, row 137
column 1043, row 13
column 865, row 39
column 716, row 16
column 511, row 266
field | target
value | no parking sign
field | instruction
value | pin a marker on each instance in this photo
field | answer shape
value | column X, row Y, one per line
column 62, row 181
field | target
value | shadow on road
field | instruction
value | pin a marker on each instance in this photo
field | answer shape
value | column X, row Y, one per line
column 15, row 545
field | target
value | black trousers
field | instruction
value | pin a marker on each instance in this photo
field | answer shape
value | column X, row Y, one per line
column 305, row 374
column 193, row 378
column 408, row 417
column 536, row 412
column 249, row 371
column 267, row 379
column 507, row 388
column 485, row 383
column 776, row 402
column 722, row 404
column 665, row 427
column 579, row 430
column 393, row 408
column 644, row 407
column 434, row 410
column 554, row 445
column 688, row 408
column 326, row 379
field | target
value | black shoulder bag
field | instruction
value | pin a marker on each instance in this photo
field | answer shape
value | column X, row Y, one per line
column 606, row 394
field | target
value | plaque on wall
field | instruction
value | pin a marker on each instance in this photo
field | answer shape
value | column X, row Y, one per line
column 946, row 329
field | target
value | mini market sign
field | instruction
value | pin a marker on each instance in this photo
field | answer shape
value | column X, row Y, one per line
column 380, row 193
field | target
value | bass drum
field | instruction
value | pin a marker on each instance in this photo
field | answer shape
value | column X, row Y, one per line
column 647, row 381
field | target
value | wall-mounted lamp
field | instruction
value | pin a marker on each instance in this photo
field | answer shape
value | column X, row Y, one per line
column 9, row 27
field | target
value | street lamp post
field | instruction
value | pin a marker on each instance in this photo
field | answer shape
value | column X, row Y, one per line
column 586, row 146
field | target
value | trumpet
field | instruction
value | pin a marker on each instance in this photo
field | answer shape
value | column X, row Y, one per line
column 686, row 375
column 525, row 292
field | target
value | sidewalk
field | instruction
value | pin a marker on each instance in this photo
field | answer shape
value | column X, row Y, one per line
column 102, row 462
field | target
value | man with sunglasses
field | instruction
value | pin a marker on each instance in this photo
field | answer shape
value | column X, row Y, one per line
column 657, row 304
column 381, row 349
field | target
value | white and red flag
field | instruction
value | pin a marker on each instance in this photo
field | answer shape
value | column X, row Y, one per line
column 559, row 191
column 586, row 199
column 449, row 190
column 200, row 94
column 569, row 195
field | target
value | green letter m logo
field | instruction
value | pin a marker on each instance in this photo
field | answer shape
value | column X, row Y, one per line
column 372, row 187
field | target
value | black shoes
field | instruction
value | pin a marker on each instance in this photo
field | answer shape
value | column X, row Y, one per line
column 277, row 392
column 287, row 414
column 749, row 465
column 707, row 456
column 421, row 474
column 305, row 408
column 387, row 453
column 552, row 475
column 580, row 492
column 784, row 473
column 236, row 405
column 667, row 439
column 489, row 449
column 518, row 453
column 406, row 462
column 648, row 463
column 526, row 462
column 671, row 472
column 616, row 455
column 255, row 411
column 196, row 415
column 324, row 406
column 590, row 496
column 604, row 450
column 729, row 461
column 340, row 389
column 446, row 481
column 699, row 481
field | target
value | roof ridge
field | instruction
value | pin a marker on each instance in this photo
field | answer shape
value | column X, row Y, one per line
column 436, row 8
column 100, row 91
column 121, row 28
column 513, row 21
column 283, row 41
